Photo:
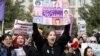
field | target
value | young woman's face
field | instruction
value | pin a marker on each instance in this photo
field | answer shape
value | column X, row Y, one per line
column 7, row 41
column 51, row 37
column 89, row 52
column 20, row 40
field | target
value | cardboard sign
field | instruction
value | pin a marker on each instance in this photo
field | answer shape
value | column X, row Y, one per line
column 22, row 27
column 51, row 12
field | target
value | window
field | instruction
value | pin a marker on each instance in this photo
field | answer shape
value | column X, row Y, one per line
column 82, row 2
column 88, row 1
column 72, row 10
column 72, row 2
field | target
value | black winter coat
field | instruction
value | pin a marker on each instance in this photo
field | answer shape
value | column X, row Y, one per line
column 67, row 54
column 30, row 51
column 77, row 53
column 43, row 47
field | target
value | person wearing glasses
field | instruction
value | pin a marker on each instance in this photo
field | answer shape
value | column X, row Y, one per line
column 93, row 39
column 50, row 46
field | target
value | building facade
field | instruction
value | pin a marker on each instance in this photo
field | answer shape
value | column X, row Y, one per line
column 75, row 5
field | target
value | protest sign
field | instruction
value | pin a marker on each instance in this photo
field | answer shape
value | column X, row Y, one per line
column 81, row 26
column 51, row 12
column 22, row 27
column 2, row 9
column 95, row 48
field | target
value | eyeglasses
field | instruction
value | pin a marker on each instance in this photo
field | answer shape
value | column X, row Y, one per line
column 93, row 41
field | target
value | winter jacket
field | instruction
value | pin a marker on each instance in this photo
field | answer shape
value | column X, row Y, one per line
column 77, row 53
column 43, row 46
column 67, row 54
column 6, row 51
column 30, row 51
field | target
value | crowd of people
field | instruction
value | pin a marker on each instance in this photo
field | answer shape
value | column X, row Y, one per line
column 48, row 45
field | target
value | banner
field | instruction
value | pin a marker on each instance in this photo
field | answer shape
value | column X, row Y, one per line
column 22, row 27
column 51, row 12
column 2, row 9
column 95, row 48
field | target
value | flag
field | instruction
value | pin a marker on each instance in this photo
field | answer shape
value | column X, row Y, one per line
column 2, row 9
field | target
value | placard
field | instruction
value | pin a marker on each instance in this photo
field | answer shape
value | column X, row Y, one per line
column 22, row 27
column 50, row 10
column 95, row 48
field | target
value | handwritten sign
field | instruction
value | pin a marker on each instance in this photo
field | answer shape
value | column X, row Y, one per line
column 21, row 27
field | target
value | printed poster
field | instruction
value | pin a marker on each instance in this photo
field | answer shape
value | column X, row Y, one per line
column 51, row 12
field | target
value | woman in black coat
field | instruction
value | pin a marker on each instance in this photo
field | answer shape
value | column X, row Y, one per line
column 21, row 49
column 51, row 47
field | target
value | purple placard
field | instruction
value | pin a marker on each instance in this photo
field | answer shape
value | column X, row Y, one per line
column 2, row 9
column 52, row 12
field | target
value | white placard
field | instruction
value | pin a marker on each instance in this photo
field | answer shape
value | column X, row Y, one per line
column 95, row 47
column 22, row 27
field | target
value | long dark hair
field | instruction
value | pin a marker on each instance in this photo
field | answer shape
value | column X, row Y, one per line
column 85, row 51
column 4, row 36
